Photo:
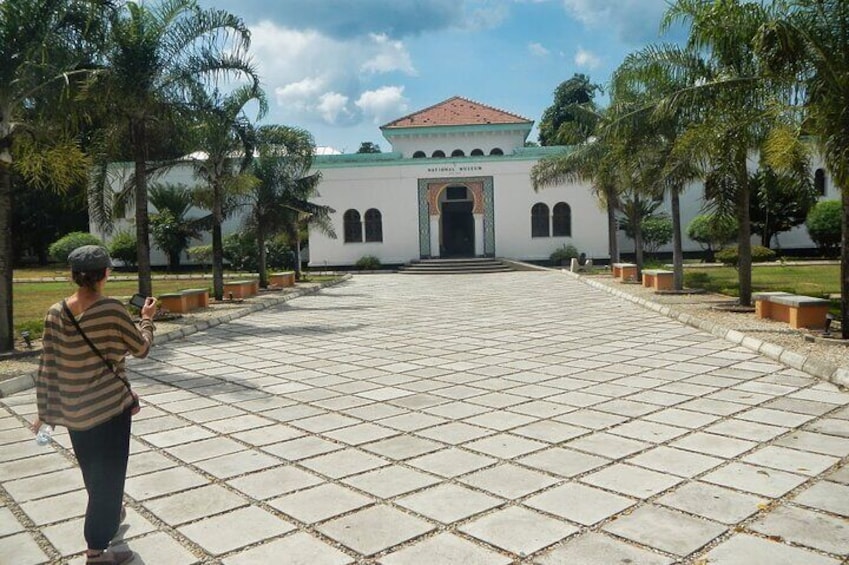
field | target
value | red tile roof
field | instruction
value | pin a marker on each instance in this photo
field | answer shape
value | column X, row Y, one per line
column 457, row 111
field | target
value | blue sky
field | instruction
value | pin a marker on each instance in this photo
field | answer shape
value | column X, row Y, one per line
column 341, row 68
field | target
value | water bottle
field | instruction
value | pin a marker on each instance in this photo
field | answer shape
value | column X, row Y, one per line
column 44, row 435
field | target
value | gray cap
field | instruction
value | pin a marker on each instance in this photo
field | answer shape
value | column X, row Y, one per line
column 89, row 258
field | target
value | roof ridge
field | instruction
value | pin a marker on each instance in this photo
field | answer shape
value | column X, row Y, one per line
column 447, row 104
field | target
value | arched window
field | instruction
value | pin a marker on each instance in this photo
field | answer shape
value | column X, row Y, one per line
column 539, row 220
column 419, row 155
column 819, row 182
column 438, row 154
column 561, row 220
column 353, row 227
column 374, row 225
column 458, row 153
column 477, row 152
column 496, row 151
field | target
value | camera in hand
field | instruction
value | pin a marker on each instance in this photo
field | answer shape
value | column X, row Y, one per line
column 138, row 301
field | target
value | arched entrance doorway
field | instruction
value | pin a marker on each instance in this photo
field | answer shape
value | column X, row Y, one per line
column 457, row 222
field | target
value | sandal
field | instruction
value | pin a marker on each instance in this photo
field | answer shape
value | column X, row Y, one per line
column 110, row 557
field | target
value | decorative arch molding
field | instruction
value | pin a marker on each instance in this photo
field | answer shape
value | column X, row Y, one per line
column 482, row 194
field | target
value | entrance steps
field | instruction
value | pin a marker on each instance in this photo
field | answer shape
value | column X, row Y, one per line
column 467, row 266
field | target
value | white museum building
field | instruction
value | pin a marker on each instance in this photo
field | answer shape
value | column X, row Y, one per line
column 457, row 184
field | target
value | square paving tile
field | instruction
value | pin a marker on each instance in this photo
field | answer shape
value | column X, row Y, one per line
column 161, row 548
column 402, row 447
column 320, row 503
column 44, row 485
column 455, row 433
column 500, row 420
column 205, row 449
column 598, row 549
column 713, row 502
column 630, row 480
column 791, row 460
column 563, row 462
column 449, row 503
column 391, row 481
column 648, row 431
column 269, row 434
column 375, row 529
column 55, row 508
column 451, row 462
column 301, row 448
column 816, row 443
column 298, row 549
column 550, row 431
column 676, row 461
column 682, row 418
column 362, row 433
column 808, row 528
column 240, row 463
column 665, row 530
column 509, row 481
column 607, row 445
column 193, row 504
column 578, row 503
column 176, row 437
column 411, row 421
column 758, row 480
column 445, row 549
column 8, row 523
column 746, row 549
column 343, row 463
column 159, row 483
column 240, row 528
column 505, row 446
column 274, row 482
column 518, row 530
column 28, row 467
column 713, row 444
column 743, row 429
column 828, row 496
column 21, row 549
column 592, row 419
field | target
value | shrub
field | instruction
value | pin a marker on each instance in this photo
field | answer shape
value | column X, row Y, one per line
column 823, row 223
column 760, row 254
column 201, row 253
column 124, row 247
column 657, row 232
column 241, row 251
column 712, row 232
column 61, row 248
column 368, row 263
column 696, row 279
column 564, row 254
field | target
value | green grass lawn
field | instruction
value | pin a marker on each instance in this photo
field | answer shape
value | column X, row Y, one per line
column 31, row 300
column 809, row 280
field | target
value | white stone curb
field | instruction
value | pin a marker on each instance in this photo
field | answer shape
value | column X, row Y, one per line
column 26, row 381
column 814, row 367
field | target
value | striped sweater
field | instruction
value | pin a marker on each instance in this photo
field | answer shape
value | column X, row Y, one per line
column 74, row 387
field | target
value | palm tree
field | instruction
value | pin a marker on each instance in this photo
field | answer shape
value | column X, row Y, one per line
column 729, row 104
column 226, row 139
column 158, row 59
column 594, row 161
column 639, row 83
column 807, row 46
column 172, row 230
column 281, row 199
column 44, row 44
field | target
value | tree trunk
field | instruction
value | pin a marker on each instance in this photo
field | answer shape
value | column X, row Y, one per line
column 744, row 245
column 217, row 243
column 297, row 253
column 677, row 249
column 612, row 241
column 263, row 269
column 638, row 249
column 7, row 327
column 139, row 132
column 844, row 266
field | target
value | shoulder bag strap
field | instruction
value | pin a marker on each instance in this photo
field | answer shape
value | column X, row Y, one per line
column 93, row 347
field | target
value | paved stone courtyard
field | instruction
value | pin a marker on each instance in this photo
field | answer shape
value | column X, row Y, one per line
column 469, row 420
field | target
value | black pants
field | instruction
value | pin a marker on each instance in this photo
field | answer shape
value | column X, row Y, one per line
column 102, row 453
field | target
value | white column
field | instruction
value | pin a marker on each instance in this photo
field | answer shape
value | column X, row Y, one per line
column 478, row 235
column 434, row 236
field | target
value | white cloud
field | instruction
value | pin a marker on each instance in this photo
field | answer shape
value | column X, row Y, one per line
column 587, row 59
column 633, row 20
column 392, row 56
column 537, row 49
column 383, row 104
column 315, row 77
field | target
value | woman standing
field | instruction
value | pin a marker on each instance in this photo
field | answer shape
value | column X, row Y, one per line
column 81, row 385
